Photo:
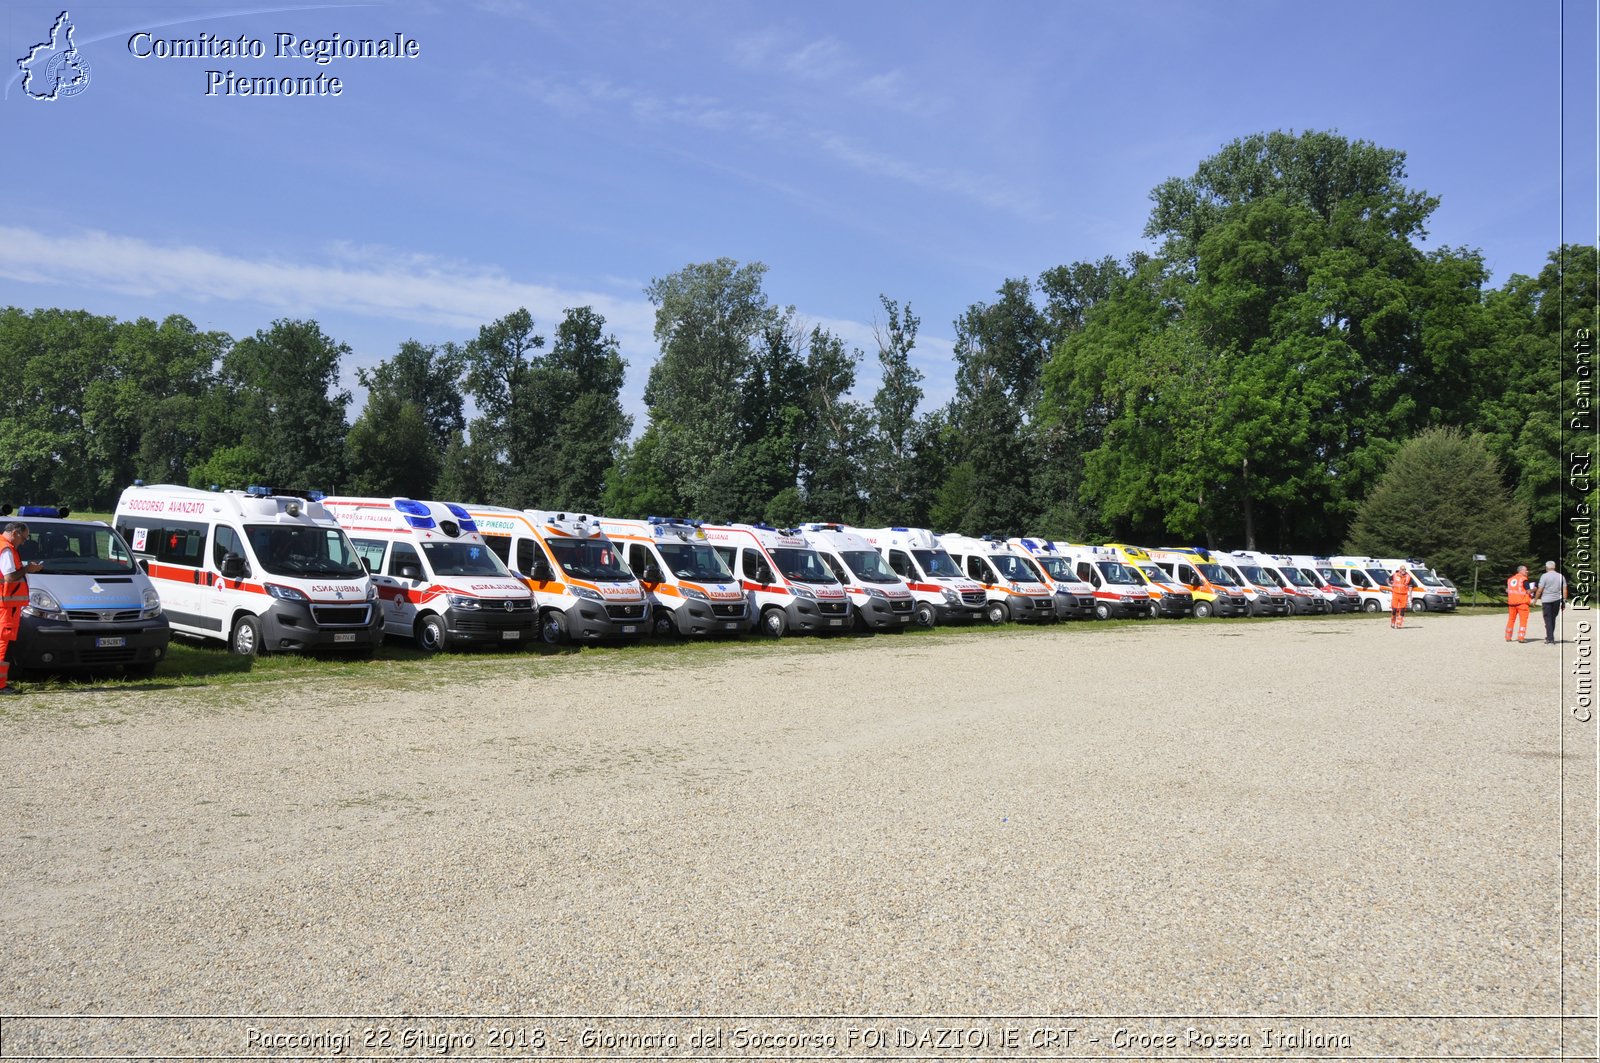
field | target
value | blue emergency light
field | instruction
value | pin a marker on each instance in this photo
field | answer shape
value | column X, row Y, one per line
column 257, row 491
column 416, row 514
column 41, row 511
column 462, row 517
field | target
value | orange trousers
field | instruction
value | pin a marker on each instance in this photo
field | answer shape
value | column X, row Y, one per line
column 10, row 618
column 1518, row 618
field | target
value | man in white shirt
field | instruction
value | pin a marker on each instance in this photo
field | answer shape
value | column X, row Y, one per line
column 1552, row 595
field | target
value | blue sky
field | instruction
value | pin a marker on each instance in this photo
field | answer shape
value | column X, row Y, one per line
column 551, row 155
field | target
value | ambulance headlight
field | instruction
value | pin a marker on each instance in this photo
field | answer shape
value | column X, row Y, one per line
column 461, row 601
column 694, row 592
column 803, row 592
column 1127, row 598
column 151, row 603
column 372, row 592
column 285, row 594
column 953, row 597
column 43, row 604
column 586, row 593
column 873, row 592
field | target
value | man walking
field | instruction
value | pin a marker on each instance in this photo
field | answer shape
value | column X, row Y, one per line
column 1399, row 596
column 1517, row 603
column 13, row 592
column 1553, row 596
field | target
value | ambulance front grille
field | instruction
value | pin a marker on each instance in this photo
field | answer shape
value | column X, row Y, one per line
column 341, row 615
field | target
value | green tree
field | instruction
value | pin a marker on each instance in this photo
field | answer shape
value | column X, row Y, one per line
column 290, row 410
column 390, row 450
column 1442, row 498
column 577, row 387
column 511, row 420
column 894, row 412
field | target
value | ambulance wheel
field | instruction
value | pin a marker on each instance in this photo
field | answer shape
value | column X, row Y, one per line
column 1102, row 611
column 661, row 624
column 926, row 617
column 1370, row 605
column 431, row 636
column 553, row 628
column 774, row 623
column 246, row 638
column 996, row 612
column 1202, row 610
column 1418, row 605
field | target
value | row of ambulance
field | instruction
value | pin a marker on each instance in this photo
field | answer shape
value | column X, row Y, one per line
column 265, row 570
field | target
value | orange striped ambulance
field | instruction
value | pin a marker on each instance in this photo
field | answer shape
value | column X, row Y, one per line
column 692, row 591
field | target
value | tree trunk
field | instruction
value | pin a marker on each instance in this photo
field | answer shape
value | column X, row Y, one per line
column 1249, row 507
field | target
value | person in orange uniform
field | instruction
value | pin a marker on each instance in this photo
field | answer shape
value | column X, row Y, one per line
column 1517, row 599
column 1399, row 596
column 13, row 592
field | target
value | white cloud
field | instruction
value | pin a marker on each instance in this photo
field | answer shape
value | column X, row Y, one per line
column 363, row 280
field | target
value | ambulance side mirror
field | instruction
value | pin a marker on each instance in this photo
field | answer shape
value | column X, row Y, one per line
column 652, row 573
column 366, row 563
column 232, row 567
column 541, row 570
column 409, row 572
column 144, row 565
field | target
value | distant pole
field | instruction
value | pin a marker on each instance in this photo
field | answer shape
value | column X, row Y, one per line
column 1475, row 559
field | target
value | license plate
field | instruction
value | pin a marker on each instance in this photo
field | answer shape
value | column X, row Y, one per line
column 110, row 641
column 730, row 627
column 628, row 629
column 511, row 634
column 836, row 623
column 344, row 636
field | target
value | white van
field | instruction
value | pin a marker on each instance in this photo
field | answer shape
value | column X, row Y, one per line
column 1215, row 593
column 1369, row 578
column 1340, row 594
column 942, row 593
column 883, row 601
column 258, row 569
column 691, row 589
column 90, row 605
column 1267, row 596
column 582, row 588
column 1009, row 580
column 789, row 586
column 1304, row 596
column 1074, row 597
column 1118, row 591
column 438, row 581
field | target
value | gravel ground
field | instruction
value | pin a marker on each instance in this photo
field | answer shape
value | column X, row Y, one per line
column 1299, row 818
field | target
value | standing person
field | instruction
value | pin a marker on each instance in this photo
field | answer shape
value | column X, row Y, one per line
column 1517, row 603
column 1399, row 596
column 1553, row 596
column 13, row 592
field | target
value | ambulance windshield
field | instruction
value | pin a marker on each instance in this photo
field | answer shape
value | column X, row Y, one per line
column 589, row 559
column 81, row 549
column 1257, row 575
column 937, row 563
column 806, row 566
column 694, row 561
column 1217, row 574
column 1116, row 572
column 1014, row 568
column 463, row 559
column 1334, row 576
column 1295, row 576
column 1428, row 578
column 869, row 566
column 304, row 550
column 1060, row 569
column 1154, row 574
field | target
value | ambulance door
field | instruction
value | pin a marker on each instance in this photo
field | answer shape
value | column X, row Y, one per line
column 398, row 585
column 222, row 595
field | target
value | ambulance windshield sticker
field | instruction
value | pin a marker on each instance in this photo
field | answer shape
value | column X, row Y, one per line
column 139, row 535
column 54, row 69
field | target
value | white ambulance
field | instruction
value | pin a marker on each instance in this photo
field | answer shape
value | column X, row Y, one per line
column 89, row 605
column 438, row 581
column 789, row 586
column 1370, row 579
column 883, row 601
column 1267, row 596
column 258, row 569
column 1304, row 597
column 1171, row 598
column 1074, row 597
column 1010, row 582
column 1428, row 591
column 1118, row 591
column 582, row 588
column 690, row 588
column 942, row 593
column 1340, row 594
column 1215, row 593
